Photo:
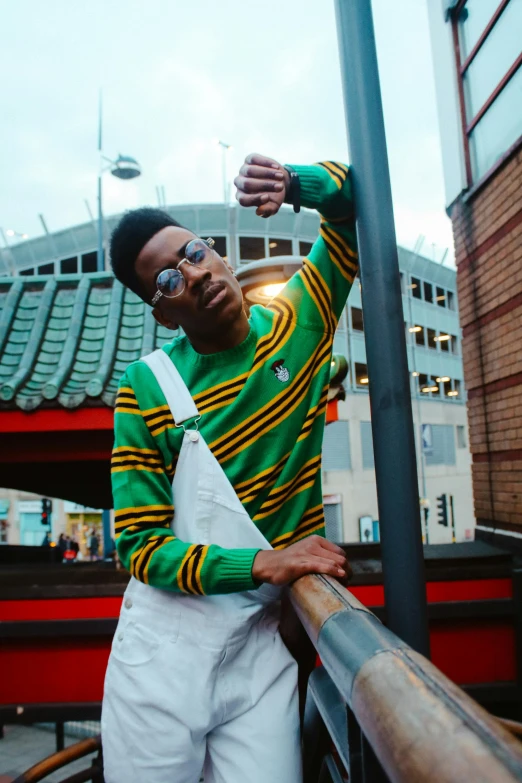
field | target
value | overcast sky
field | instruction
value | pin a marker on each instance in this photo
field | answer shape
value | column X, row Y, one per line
column 175, row 76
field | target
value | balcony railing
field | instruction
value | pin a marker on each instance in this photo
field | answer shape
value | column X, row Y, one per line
column 378, row 711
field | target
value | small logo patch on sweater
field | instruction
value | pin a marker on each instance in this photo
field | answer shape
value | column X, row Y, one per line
column 280, row 371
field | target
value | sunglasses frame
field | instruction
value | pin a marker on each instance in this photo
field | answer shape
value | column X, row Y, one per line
column 157, row 296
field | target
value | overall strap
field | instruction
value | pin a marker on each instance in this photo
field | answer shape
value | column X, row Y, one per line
column 172, row 385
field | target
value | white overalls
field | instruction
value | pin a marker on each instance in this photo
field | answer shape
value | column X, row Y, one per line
column 199, row 682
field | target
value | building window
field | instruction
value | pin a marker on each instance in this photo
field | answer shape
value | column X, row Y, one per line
column 420, row 338
column 450, row 300
column 46, row 269
column 336, row 446
column 442, row 451
column 251, row 248
column 220, row 246
column 69, row 266
column 361, row 375
column 440, row 297
column 446, row 386
column 280, row 247
column 367, row 445
column 461, row 436
column 454, row 344
column 357, row 319
column 26, row 272
column 428, row 292
column 432, row 338
column 304, row 248
column 423, row 383
column 415, row 287
column 486, row 35
column 89, row 262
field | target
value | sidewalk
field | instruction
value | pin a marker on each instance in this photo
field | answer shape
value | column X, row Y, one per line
column 23, row 746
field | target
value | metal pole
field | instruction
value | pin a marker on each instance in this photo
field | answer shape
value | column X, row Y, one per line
column 99, row 258
column 224, row 167
column 392, row 425
column 100, row 266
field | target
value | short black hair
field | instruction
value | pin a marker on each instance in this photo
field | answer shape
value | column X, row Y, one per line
column 129, row 238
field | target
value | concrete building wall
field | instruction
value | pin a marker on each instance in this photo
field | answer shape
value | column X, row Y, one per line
column 357, row 485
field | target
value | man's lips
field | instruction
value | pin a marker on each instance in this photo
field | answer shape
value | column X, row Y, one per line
column 213, row 295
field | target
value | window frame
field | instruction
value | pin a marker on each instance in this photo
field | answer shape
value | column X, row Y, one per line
column 468, row 126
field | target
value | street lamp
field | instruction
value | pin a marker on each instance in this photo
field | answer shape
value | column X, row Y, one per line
column 224, row 153
column 10, row 232
column 260, row 281
column 124, row 167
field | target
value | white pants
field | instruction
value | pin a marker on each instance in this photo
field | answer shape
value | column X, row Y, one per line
column 185, row 692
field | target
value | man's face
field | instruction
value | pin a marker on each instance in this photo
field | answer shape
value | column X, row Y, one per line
column 212, row 297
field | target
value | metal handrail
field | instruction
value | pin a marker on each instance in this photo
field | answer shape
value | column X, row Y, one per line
column 59, row 760
column 420, row 725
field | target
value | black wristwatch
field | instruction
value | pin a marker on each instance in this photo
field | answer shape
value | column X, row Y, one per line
column 293, row 195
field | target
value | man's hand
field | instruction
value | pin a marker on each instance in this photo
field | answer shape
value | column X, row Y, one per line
column 312, row 555
column 262, row 183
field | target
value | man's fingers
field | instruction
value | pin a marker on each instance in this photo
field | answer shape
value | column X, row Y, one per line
column 261, row 172
column 261, row 160
column 320, row 565
column 253, row 200
column 325, row 544
column 250, row 185
column 267, row 210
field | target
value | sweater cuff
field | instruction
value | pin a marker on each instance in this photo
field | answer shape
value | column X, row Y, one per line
column 312, row 185
column 236, row 570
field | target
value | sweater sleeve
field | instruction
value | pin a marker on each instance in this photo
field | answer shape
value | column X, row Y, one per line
column 318, row 292
column 144, row 510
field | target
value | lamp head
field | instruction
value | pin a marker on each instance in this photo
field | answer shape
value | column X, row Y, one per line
column 125, row 167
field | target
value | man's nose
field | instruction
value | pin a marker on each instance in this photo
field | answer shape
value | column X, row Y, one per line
column 195, row 275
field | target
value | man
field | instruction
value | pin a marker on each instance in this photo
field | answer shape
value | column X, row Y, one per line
column 198, row 674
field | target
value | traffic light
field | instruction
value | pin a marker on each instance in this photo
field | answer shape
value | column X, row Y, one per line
column 47, row 507
column 442, row 510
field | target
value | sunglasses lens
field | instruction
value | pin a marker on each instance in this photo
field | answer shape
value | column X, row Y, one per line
column 197, row 252
column 170, row 282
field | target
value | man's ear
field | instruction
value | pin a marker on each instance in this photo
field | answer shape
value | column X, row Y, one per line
column 160, row 318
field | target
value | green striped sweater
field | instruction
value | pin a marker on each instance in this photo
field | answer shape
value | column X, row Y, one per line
column 262, row 406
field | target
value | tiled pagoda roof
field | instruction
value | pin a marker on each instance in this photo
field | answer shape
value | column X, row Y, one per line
column 66, row 340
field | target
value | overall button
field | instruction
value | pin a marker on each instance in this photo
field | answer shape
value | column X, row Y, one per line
column 120, row 637
column 193, row 436
column 128, row 603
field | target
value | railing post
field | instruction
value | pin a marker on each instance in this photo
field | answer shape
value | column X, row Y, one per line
column 392, row 424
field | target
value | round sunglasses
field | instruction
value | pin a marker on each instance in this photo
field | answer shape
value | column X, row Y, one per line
column 171, row 283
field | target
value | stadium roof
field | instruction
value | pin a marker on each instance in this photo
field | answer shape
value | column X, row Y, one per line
column 66, row 340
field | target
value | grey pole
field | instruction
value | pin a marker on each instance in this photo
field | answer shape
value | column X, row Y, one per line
column 392, row 424
column 99, row 260
column 100, row 266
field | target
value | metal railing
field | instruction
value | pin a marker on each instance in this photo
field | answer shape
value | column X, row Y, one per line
column 93, row 772
column 378, row 711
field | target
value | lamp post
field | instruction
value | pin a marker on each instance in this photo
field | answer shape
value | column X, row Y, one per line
column 124, row 167
column 392, row 425
column 224, row 153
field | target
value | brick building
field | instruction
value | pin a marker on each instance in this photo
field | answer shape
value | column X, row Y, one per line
column 477, row 51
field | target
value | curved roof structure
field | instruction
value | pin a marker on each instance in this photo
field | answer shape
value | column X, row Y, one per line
column 66, row 340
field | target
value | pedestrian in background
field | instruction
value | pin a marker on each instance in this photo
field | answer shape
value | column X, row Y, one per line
column 94, row 545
